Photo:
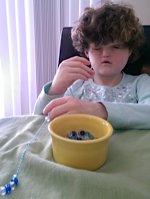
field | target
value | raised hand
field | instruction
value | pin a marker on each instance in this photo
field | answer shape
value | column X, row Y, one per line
column 69, row 71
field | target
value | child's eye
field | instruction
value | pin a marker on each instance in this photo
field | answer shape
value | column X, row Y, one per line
column 97, row 48
column 117, row 47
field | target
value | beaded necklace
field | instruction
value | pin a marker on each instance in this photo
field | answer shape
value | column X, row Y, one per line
column 14, row 180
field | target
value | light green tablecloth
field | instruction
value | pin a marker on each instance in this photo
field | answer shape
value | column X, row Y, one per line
column 125, row 175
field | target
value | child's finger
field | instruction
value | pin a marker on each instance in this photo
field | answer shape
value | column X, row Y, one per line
column 81, row 71
column 79, row 59
column 54, row 103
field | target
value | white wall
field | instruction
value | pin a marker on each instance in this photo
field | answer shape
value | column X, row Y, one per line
column 141, row 7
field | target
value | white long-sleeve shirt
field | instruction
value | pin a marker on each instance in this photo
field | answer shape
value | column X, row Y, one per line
column 127, row 104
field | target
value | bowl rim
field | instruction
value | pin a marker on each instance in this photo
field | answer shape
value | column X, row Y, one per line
column 108, row 135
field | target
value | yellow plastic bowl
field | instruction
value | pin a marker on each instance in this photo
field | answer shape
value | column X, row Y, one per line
column 80, row 154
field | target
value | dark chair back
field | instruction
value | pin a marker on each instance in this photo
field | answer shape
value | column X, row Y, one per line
column 67, row 50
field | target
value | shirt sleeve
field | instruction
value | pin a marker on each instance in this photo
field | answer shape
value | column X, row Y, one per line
column 44, row 99
column 128, row 115
column 132, row 115
column 143, row 89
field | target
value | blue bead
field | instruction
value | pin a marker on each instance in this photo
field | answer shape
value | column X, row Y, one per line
column 82, row 133
column 73, row 137
column 73, row 133
column 91, row 137
column 87, row 134
column 15, row 180
column 8, row 188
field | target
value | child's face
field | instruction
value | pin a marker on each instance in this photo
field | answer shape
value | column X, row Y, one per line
column 108, row 60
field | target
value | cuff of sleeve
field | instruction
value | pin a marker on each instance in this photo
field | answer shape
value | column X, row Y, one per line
column 47, row 87
column 44, row 99
column 115, row 115
column 45, row 90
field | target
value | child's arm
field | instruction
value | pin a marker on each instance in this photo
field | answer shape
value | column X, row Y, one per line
column 132, row 115
column 44, row 99
column 69, row 71
column 128, row 115
column 72, row 105
column 120, row 115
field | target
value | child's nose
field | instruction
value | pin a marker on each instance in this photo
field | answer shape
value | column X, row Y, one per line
column 106, row 52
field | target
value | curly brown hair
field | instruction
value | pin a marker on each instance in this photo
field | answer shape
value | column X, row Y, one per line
column 106, row 24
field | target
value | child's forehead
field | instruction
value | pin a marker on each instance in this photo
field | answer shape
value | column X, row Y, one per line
column 107, row 44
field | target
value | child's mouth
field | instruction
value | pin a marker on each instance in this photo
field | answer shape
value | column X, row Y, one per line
column 106, row 62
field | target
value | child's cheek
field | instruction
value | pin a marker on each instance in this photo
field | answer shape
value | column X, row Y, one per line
column 121, row 61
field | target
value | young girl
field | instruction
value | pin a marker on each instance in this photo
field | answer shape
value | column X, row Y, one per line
column 107, row 38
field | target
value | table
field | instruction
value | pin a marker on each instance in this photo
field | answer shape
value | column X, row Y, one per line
column 125, row 175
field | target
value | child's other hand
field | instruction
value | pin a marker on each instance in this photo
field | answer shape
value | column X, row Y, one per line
column 69, row 71
column 72, row 105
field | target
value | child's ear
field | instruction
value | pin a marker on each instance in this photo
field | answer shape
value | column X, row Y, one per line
column 86, row 53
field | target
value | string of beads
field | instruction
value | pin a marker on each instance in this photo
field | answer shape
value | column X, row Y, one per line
column 14, row 180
